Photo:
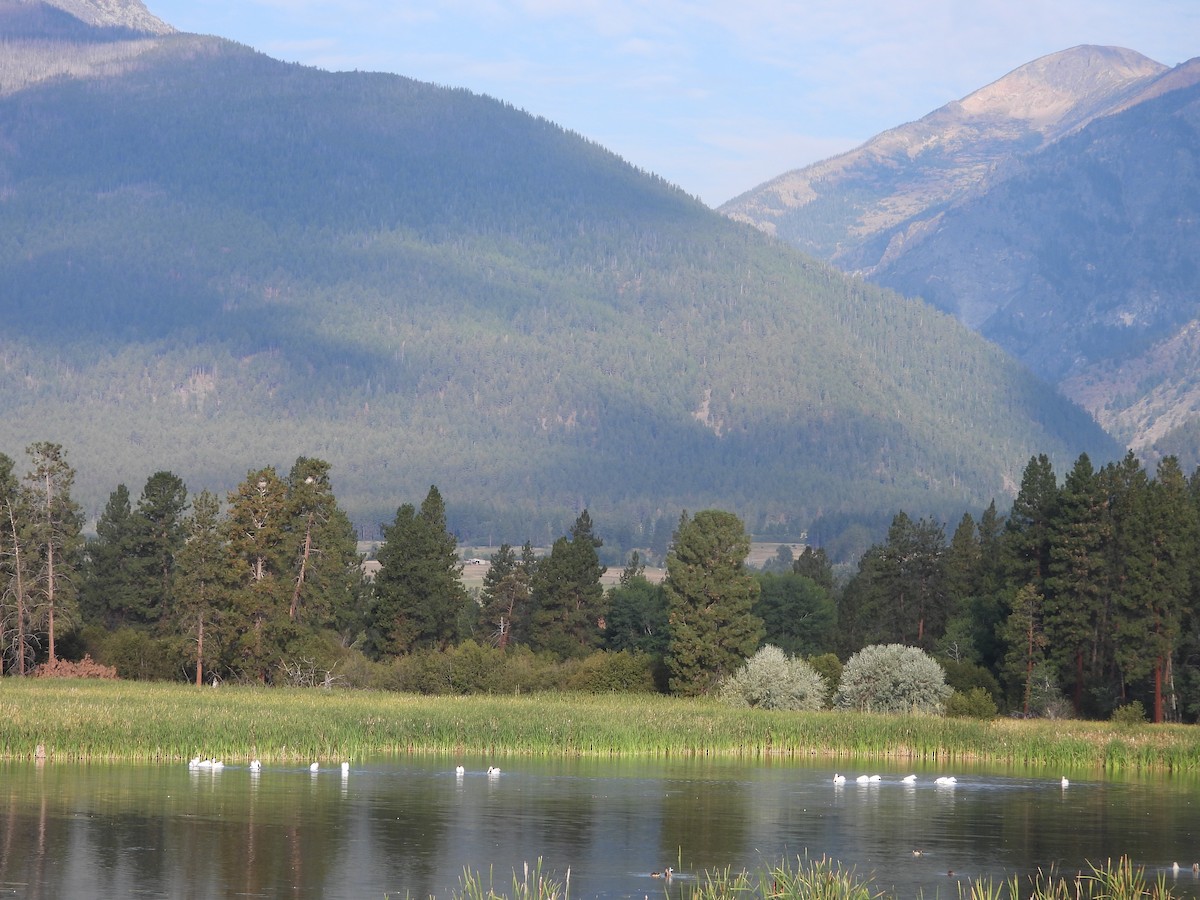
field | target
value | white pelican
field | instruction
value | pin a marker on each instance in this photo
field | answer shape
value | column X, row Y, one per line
column 945, row 780
column 217, row 764
column 1065, row 783
column 345, row 769
column 460, row 770
column 863, row 779
column 909, row 779
column 839, row 779
column 194, row 762
column 255, row 765
column 875, row 778
column 314, row 767
column 493, row 770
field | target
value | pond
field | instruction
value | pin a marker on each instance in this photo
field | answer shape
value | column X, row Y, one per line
column 408, row 826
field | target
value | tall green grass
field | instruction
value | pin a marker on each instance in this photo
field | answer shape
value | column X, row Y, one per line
column 74, row 719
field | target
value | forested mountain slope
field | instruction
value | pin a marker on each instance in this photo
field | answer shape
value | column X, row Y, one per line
column 1055, row 211
column 212, row 261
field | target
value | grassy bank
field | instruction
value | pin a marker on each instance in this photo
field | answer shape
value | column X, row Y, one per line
column 75, row 719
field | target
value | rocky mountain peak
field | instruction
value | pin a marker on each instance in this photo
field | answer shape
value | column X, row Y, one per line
column 127, row 14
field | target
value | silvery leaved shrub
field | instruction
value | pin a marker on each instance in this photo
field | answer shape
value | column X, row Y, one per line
column 892, row 678
column 773, row 680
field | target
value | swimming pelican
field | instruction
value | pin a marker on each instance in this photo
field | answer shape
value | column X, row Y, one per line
column 909, row 779
column 875, row 778
column 839, row 779
column 255, row 765
column 345, row 769
column 863, row 779
column 493, row 770
column 1065, row 783
column 1175, row 868
column 217, row 764
column 314, row 767
column 194, row 762
column 945, row 780
column 460, row 770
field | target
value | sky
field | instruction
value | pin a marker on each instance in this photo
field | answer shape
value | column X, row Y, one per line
column 716, row 96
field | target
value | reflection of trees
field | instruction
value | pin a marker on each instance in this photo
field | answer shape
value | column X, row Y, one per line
column 707, row 819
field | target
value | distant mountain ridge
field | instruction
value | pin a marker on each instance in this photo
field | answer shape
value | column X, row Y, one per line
column 211, row 260
column 1054, row 211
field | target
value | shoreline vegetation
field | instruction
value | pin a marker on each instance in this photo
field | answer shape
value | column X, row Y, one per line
column 86, row 720
column 826, row 879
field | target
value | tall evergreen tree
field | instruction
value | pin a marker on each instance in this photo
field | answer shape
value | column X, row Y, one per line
column 1076, row 583
column 710, row 596
column 324, row 567
column 109, row 587
column 57, row 525
column 504, row 599
column 813, row 562
column 637, row 617
column 567, row 596
column 1026, row 545
column 17, row 568
column 206, row 581
column 1159, row 579
column 910, row 593
column 798, row 615
column 1025, row 641
column 257, row 531
column 418, row 595
column 160, row 532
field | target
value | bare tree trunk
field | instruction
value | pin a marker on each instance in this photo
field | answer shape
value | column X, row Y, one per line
column 200, row 650
column 295, row 607
column 50, row 596
column 1158, row 691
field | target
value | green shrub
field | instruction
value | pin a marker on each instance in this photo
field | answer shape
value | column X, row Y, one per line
column 137, row 655
column 773, row 680
column 829, row 667
column 610, row 673
column 1130, row 714
column 975, row 703
column 892, row 678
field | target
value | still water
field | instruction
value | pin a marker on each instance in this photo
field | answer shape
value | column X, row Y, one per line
column 408, row 827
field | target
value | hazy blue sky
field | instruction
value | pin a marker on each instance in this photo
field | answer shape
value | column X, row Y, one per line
column 716, row 96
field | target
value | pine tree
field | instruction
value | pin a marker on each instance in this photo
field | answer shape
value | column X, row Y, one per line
column 1159, row 570
column 710, row 595
column 1025, row 641
column 324, row 566
column 16, row 570
column 257, row 530
column 1076, row 583
column 567, row 596
column 912, row 602
column 205, row 582
column 1026, row 544
column 159, row 529
column 57, row 536
column 108, row 591
column 418, row 595
column 504, row 599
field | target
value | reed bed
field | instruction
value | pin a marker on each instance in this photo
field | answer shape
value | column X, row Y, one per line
column 86, row 720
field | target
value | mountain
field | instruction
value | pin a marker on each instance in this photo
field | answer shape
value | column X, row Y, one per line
column 212, row 261
column 1055, row 211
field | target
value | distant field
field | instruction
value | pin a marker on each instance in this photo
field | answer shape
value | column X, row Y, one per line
column 473, row 572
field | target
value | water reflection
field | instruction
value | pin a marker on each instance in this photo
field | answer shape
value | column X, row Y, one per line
column 411, row 826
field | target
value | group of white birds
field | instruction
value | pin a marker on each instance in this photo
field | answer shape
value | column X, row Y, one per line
column 255, row 765
column 943, row 780
column 460, row 771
